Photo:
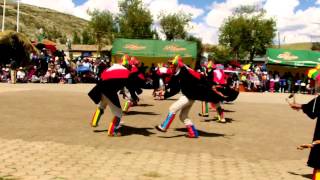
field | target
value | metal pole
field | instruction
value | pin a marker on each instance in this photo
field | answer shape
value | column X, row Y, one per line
column 18, row 15
column 279, row 39
column 4, row 14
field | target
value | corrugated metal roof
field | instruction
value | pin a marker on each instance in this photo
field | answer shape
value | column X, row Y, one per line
column 84, row 47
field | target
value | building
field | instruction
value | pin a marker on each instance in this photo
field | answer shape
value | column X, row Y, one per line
column 85, row 50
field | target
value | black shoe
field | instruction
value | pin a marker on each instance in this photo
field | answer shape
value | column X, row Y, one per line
column 159, row 128
column 203, row 115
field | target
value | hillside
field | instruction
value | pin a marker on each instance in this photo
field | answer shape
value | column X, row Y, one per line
column 296, row 46
column 33, row 18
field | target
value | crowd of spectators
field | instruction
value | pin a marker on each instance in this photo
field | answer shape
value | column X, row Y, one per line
column 257, row 78
column 58, row 68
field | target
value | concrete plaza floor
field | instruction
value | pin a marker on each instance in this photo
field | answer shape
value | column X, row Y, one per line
column 45, row 134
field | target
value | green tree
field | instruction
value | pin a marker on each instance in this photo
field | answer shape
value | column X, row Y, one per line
column 63, row 39
column 173, row 25
column 248, row 32
column 101, row 25
column 85, row 37
column 75, row 38
column 221, row 54
column 134, row 20
column 199, row 44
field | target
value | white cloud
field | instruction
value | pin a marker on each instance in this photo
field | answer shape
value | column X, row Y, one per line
column 295, row 26
column 206, row 33
column 318, row 2
column 216, row 16
column 110, row 5
column 170, row 6
column 281, row 9
column 220, row 11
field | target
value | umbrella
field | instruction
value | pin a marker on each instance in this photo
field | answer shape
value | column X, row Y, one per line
column 246, row 67
column 83, row 69
column 314, row 73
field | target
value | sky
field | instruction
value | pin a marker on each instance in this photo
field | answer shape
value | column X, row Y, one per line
column 297, row 20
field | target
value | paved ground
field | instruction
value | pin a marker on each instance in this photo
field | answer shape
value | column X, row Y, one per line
column 45, row 134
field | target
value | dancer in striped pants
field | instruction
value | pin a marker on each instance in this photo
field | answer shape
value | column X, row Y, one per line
column 193, row 87
column 105, row 94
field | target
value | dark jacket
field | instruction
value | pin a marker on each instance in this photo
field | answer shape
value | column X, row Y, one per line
column 113, row 80
column 312, row 109
column 194, row 86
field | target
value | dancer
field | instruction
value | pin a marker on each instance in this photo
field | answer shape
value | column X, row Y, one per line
column 105, row 92
column 136, row 81
column 219, row 83
column 163, row 73
column 207, row 71
column 193, row 87
column 216, row 78
column 312, row 110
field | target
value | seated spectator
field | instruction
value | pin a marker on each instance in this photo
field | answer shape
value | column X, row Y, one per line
column 68, row 77
column 4, row 75
column 21, row 76
column 47, row 77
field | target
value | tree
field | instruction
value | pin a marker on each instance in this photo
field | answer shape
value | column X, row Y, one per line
column 101, row 25
column 248, row 32
column 63, row 39
column 134, row 20
column 199, row 43
column 75, row 38
column 315, row 46
column 221, row 54
column 87, row 37
column 173, row 25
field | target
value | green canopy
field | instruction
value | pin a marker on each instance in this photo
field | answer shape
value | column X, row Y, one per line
column 154, row 48
column 296, row 58
column 153, row 51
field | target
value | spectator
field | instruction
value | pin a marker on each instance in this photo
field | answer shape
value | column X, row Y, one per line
column 21, row 75
column 297, row 83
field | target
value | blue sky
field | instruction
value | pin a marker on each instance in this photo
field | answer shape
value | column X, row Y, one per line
column 79, row 2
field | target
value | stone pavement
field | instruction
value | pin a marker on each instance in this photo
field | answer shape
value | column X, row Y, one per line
column 44, row 134
column 48, row 160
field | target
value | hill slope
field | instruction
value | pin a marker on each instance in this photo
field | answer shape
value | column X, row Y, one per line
column 296, row 46
column 33, row 18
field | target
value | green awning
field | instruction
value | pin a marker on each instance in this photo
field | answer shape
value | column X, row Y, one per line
column 154, row 48
column 297, row 58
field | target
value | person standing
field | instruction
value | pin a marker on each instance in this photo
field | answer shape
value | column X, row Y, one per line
column 312, row 110
column 13, row 71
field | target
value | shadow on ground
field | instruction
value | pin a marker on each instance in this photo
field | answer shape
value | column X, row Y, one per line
column 307, row 176
column 224, row 110
column 201, row 133
column 228, row 111
column 128, row 130
column 171, row 99
column 145, row 105
column 141, row 113
column 228, row 120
